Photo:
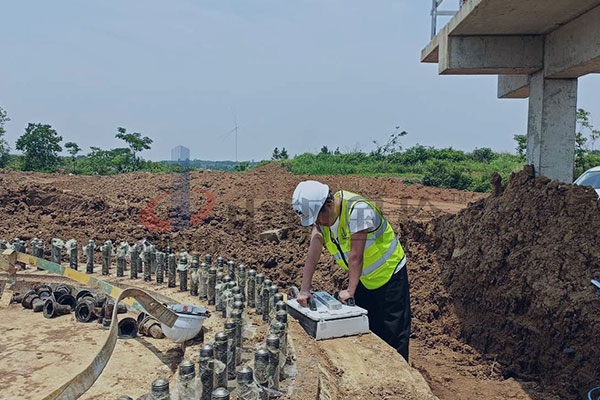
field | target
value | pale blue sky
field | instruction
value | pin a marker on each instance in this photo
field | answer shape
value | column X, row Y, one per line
column 298, row 73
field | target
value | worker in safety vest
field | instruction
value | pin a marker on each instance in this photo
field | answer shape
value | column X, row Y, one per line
column 362, row 242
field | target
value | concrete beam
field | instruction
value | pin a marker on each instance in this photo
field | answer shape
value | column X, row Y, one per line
column 430, row 54
column 551, row 126
column 508, row 17
column 513, row 86
column 507, row 55
column 518, row 17
column 574, row 49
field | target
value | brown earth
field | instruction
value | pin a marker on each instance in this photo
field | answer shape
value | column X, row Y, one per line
column 101, row 208
column 452, row 361
column 518, row 266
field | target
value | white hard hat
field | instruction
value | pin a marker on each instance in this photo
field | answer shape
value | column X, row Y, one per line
column 308, row 199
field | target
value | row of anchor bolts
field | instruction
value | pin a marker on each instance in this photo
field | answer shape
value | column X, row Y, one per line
column 220, row 286
column 230, row 291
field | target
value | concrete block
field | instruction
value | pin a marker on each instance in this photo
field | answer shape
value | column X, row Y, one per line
column 513, row 86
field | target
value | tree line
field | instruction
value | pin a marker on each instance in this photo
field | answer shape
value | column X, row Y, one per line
column 40, row 145
column 446, row 168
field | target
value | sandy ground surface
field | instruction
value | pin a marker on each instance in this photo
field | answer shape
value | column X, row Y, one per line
column 36, row 357
column 47, row 359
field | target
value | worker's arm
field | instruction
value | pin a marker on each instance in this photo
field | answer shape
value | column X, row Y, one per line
column 314, row 253
column 355, row 263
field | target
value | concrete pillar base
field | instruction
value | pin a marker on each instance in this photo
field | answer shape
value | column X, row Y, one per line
column 551, row 126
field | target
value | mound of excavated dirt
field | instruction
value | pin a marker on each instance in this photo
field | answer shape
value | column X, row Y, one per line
column 518, row 267
column 109, row 207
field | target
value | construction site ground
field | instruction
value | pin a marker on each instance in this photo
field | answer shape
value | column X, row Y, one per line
column 446, row 348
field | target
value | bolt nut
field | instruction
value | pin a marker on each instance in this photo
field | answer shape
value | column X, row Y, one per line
column 160, row 386
column 261, row 355
column 273, row 341
column 245, row 375
column 187, row 369
column 207, row 351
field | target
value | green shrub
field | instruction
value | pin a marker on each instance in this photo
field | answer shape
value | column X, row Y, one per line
column 481, row 184
column 485, row 154
column 242, row 166
column 444, row 174
column 587, row 161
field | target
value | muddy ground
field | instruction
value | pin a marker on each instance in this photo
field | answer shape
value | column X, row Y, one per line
column 450, row 317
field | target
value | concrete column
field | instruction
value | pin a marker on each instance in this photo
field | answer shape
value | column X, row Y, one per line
column 551, row 126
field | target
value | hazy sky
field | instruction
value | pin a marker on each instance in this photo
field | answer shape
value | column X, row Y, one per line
column 297, row 73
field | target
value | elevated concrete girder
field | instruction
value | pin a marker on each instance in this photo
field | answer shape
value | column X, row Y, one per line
column 519, row 17
column 508, row 17
column 513, row 86
column 491, row 54
column 574, row 49
column 571, row 51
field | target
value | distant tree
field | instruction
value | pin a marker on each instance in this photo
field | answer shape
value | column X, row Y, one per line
column 40, row 143
column 279, row 154
column 107, row 162
column 325, row 150
column 4, row 147
column 580, row 150
column 583, row 119
column 73, row 148
column 276, row 154
column 521, row 144
column 135, row 141
column 485, row 154
column 337, row 151
column 284, row 154
column 585, row 155
column 392, row 146
column 242, row 166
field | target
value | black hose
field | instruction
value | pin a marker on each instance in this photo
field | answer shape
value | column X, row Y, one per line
column 61, row 289
column 27, row 301
column 53, row 309
column 67, row 299
column 128, row 328
column 83, row 293
column 85, row 310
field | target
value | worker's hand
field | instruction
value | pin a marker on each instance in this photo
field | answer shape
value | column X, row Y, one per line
column 303, row 298
column 344, row 295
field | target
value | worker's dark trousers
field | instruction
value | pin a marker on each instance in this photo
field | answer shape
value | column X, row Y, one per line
column 389, row 310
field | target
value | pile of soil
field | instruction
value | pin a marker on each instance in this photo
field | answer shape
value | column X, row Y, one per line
column 517, row 266
column 102, row 208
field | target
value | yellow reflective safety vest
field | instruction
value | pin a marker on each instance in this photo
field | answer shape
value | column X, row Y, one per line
column 383, row 252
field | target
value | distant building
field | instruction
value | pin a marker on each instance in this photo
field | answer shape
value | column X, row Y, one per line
column 180, row 153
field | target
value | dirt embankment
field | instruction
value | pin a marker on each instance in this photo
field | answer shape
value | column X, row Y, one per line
column 101, row 208
column 518, row 266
